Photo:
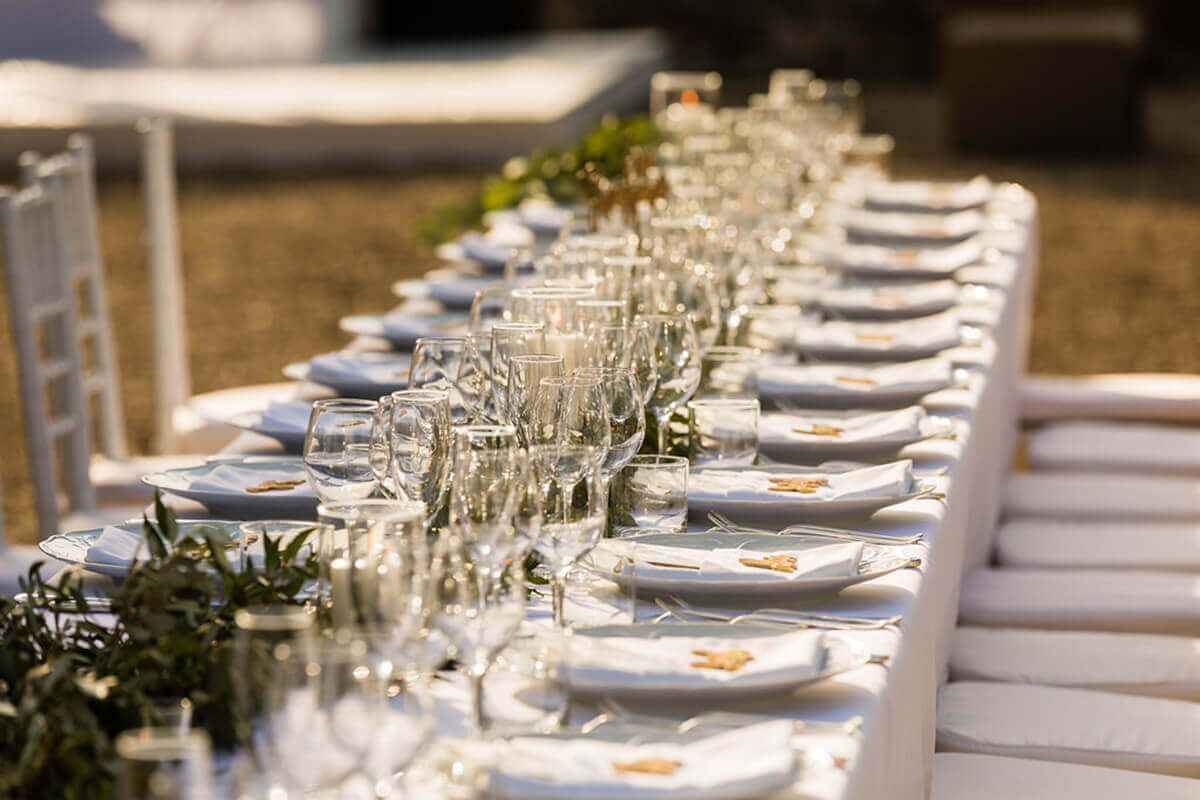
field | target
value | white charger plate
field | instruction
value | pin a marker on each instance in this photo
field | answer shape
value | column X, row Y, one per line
column 297, row 503
column 604, row 560
column 361, row 385
column 72, row 546
column 292, row 438
column 842, row 654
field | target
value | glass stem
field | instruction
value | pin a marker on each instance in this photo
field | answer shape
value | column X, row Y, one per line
column 476, row 680
column 568, row 495
column 558, row 596
column 664, row 424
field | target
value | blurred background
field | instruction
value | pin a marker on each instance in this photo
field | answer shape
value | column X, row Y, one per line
column 314, row 137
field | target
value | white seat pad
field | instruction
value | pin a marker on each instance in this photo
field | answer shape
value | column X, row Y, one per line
column 1095, row 600
column 1148, row 734
column 965, row 776
column 1090, row 495
column 1116, row 447
column 1131, row 396
column 1115, row 544
column 1130, row 663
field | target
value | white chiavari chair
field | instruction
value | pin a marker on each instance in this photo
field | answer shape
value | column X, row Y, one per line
column 966, row 776
column 46, row 339
column 1146, row 397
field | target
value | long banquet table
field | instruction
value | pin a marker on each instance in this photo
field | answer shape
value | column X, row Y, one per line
column 895, row 695
column 893, row 755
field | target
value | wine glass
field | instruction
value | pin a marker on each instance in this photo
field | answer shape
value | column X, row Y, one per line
column 625, row 346
column 677, row 367
column 475, row 377
column 381, row 446
column 626, row 416
column 563, row 541
column 435, row 365
column 421, row 447
column 483, row 494
column 477, row 611
column 509, row 339
column 571, row 413
column 489, row 306
column 525, row 373
column 337, row 450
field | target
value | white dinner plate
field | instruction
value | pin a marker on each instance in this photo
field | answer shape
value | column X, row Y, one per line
column 290, row 436
column 375, row 374
column 841, row 654
column 402, row 330
column 455, row 292
column 887, row 300
column 867, row 350
column 828, row 447
column 235, row 502
column 72, row 547
column 848, row 387
column 603, row 560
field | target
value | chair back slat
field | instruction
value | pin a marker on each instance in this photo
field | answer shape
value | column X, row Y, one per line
column 73, row 176
column 45, row 335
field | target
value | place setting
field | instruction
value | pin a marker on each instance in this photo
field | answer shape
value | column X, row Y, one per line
column 354, row 373
column 853, row 385
column 785, row 436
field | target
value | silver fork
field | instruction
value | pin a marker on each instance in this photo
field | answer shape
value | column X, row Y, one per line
column 841, row 534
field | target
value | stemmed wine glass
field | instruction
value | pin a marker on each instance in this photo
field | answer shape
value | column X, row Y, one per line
column 435, row 365
column 510, row 339
column 337, row 450
column 677, row 367
column 626, row 416
column 475, row 377
column 420, row 435
column 525, row 373
column 571, row 413
column 381, row 446
column 628, row 345
column 484, row 492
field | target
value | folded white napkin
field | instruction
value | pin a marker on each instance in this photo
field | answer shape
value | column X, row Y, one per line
column 930, row 195
column 412, row 326
column 905, row 225
column 725, row 563
column 753, row 485
column 924, row 334
column 901, row 425
column 747, row 762
column 489, row 252
column 858, row 300
column 114, row 547
column 235, row 479
column 544, row 216
column 925, row 375
column 289, row 416
column 386, row 369
column 935, row 260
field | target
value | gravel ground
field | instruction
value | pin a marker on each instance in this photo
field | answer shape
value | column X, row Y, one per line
column 272, row 262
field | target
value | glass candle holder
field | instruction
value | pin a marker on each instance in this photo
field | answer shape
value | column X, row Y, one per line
column 723, row 431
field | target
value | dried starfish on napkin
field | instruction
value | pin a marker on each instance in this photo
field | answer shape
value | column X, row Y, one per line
column 796, row 484
column 649, row 766
column 775, row 563
column 818, row 429
column 275, row 485
column 728, row 660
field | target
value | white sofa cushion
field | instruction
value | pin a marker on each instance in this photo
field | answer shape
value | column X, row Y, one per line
column 1115, row 447
column 1133, row 396
column 1093, row 600
column 1130, row 663
column 1033, row 542
column 965, row 776
column 1091, row 495
column 1147, row 734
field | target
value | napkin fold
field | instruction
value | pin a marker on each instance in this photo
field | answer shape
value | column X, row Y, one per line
column 938, row 196
column 114, row 547
column 903, row 425
column 864, row 300
column 235, row 479
column 410, row 327
column 490, row 253
column 747, row 762
column 544, row 217
column 288, row 416
column 725, row 563
column 754, row 485
column 797, row 380
column 390, row 369
column 934, row 260
column 926, row 334
column 909, row 225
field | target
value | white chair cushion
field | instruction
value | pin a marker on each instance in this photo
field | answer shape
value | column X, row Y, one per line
column 1145, row 396
column 965, row 776
column 1090, row 600
column 1148, row 734
column 1129, row 663
column 1116, row 447
column 1032, row 542
column 1090, row 495
column 120, row 482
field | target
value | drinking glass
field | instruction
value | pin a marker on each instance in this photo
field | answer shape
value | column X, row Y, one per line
column 489, row 307
column 435, row 365
column 483, row 497
column 355, row 555
column 525, row 373
column 629, row 346
column 677, row 367
column 478, row 613
column 421, row 447
column 525, row 691
column 626, row 416
column 164, row 764
column 555, row 306
column 770, row 329
column 601, row 312
column 651, row 493
column 475, row 377
column 571, row 413
column 572, row 534
column 381, row 446
column 337, row 450
column 509, row 339
column 729, row 371
column 723, row 431
column 625, row 278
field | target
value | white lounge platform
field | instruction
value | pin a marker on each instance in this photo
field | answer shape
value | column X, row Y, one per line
column 455, row 104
